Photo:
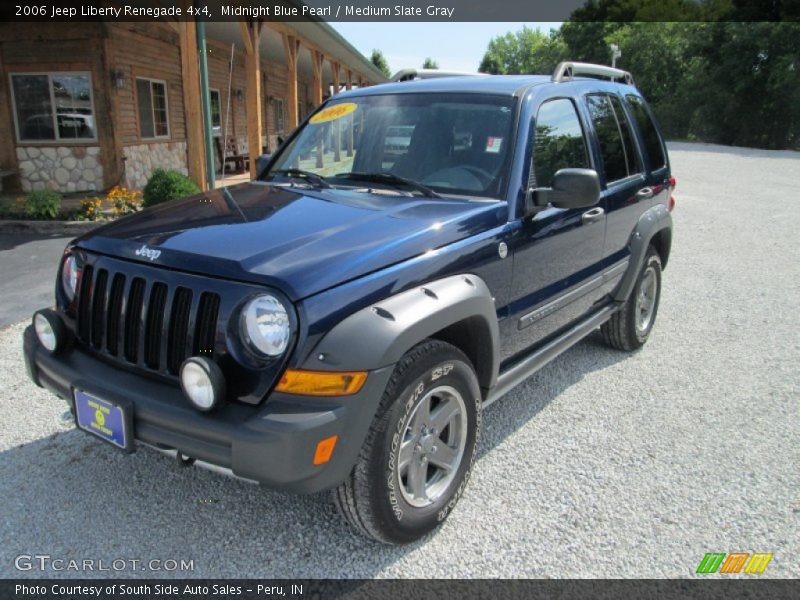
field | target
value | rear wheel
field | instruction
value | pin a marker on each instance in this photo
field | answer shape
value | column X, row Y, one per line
column 629, row 328
column 419, row 451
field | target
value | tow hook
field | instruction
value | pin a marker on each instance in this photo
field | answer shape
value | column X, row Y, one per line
column 183, row 460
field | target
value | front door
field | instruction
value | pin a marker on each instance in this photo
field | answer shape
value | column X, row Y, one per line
column 558, row 252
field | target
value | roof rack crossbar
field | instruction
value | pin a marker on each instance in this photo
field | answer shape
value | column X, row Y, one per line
column 565, row 71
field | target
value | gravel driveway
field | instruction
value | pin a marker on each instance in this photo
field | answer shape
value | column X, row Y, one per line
column 602, row 465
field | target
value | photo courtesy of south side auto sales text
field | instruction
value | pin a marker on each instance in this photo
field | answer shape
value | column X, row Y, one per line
column 117, row 590
column 231, row 10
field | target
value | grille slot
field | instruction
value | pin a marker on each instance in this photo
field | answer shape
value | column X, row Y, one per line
column 179, row 329
column 155, row 321
column 206, row 326
column 133, row 313
column 85, row 303
column 136, row 320
column 115, row 313
column 99, row 308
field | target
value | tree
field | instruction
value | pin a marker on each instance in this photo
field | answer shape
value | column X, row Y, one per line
column 726, row 82
column 379, row 60
column 430, row 64
column 526, row 51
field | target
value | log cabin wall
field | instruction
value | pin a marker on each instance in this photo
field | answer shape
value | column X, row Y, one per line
column 55, row 107
column 145, row 59
column 102, row 104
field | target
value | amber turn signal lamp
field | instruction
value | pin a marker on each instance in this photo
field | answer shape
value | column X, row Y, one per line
column 325, row 450
column 321, row 383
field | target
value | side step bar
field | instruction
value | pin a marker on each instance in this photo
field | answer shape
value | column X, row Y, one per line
column 516, row 374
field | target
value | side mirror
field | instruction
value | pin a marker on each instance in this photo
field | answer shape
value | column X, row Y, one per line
column 280, row 140
column 572, row 188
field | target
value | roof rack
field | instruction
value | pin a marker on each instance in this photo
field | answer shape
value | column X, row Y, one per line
column 411, row 74
column 565, row 71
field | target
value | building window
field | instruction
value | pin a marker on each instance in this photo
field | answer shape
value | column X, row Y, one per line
column 151, row 96
column 53, row 107
column 280, row 119
column 216, row 108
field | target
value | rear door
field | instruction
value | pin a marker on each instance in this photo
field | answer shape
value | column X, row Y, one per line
column 627, row 193
column 655, row 153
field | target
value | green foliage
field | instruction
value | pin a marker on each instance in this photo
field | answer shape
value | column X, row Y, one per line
column 721, row 82
column 430, row 64
column 43, row 204
column 167, row 185
column 379, row 60
column 526, row 51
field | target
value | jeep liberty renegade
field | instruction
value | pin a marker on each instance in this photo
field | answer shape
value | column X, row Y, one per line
column 409, row 254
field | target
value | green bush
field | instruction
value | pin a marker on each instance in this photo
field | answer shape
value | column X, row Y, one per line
column 167, row 185
column 44, row 204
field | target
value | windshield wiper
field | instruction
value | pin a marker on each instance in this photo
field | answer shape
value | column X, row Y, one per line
column 312, row 178
column 389, row 179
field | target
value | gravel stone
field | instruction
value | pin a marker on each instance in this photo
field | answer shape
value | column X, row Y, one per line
column 604, row 464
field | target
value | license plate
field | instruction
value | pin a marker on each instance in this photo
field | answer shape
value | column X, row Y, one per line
column 106, row 420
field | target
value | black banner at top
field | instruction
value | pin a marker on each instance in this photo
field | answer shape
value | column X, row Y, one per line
column 399, row 10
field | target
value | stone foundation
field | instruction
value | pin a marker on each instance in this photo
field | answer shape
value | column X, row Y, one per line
column 63, row 169
column 142, row 160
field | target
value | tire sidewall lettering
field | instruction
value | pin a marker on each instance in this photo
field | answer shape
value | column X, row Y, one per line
column 419, row 387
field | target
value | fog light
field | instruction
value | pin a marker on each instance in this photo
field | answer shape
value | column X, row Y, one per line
column 49, row 329
column 202, row 382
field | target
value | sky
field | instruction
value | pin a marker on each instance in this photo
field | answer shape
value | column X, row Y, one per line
column 455, row 46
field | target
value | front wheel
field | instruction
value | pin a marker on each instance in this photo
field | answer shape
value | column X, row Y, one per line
column 419, row 451
column 629, row 328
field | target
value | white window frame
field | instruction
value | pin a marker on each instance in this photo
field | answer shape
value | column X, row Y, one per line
column 153, row 80
column 216, row 91
column 56, row 138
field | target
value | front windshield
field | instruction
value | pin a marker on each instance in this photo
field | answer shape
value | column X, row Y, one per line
column 451, row 143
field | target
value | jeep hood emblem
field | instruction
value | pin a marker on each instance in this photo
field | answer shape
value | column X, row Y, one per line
column 148, row 252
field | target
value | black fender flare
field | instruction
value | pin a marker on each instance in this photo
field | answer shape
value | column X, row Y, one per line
column 377, row 336
column 651, row 222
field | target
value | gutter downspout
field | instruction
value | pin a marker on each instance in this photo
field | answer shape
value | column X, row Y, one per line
column 205, row 97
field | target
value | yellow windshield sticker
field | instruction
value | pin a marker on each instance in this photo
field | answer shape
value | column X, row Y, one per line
column 337, row 111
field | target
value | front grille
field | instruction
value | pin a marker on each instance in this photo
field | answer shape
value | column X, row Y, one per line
column 144, row 322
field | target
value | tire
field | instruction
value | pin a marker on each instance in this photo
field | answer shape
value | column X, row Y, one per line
column 398, row 490
column 627, row 329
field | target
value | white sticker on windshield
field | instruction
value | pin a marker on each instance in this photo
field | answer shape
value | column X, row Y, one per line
column 493, row 144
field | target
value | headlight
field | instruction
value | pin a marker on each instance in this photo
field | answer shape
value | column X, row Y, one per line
column 265, row 325
column 70, row 275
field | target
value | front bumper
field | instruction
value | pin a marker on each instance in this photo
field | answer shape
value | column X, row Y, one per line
column 272, row 443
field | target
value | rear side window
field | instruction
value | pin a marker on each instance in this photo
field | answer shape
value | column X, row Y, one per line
column 652, row 141
column 620, row 159
column 559, row 142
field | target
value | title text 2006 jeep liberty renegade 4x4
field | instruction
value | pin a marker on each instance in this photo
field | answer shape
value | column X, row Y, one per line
column 410, row 253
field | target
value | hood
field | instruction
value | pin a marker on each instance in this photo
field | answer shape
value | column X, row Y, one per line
column 301, row 241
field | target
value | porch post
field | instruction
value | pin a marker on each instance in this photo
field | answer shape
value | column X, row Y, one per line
column 349, row 86
column 291, row 46
column 251, row 34
column 337, row 127
column 316, row 64
column 193, row 113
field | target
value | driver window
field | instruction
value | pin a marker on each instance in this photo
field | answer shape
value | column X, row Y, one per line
column 559, row 141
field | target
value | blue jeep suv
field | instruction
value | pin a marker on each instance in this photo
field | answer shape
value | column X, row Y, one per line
column 412, row 252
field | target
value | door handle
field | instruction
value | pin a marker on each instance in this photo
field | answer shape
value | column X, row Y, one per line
column 590, row 216
column 644, row 193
